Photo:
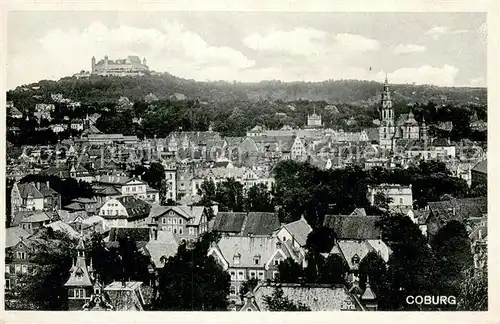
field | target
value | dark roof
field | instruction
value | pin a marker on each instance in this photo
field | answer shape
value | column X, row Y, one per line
column 229, row 222
column 354, row 227
column 481, row 167
column 458, row 209
column 255, row 223
column 260, row 223
column 135, row 207
column 135, row 233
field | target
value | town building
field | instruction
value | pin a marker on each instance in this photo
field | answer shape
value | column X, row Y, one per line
column 80, row 283
column 33, row 196
column 125, row 211
column 111, row 186
column 131, row 65
column 314, row 121
column 247, row 257
column 186, row 222
column 479, row 174
column 400, row 195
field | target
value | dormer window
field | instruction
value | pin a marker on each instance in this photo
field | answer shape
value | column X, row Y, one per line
column 355, row 259
column 236, row 259
column 256, row 259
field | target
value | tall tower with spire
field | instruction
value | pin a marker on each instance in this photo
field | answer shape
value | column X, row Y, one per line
column 386, row 116
column 93, row 64
column 79, row 284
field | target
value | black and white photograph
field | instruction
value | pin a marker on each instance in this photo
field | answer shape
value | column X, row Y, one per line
column 248, row 161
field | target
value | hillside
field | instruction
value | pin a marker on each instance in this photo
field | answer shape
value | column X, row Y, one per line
column 363, row 93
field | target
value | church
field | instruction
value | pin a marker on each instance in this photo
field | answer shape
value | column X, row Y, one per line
column 405, row 128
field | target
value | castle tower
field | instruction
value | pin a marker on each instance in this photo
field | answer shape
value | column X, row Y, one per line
column 79, row 284
column 386, row 115
column 144, row 62
column 93, row 64
column 105, row 63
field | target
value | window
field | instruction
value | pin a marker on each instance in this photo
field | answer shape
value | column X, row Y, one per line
column 236, row 259
column 284, row 238
column 401, row 201
column 175, row 230
column 260, row 275
column 169, row 220
column 241, row 275
column 355, row 259
column 79, row 293
column 169, row 228
column 7, row 283
column 17, row 268
column 21, row 255
column 180, row 221
column 191, row 231
column 175, row 221
column 163, row 221
column 253, row 274
column 180, row 230
column 277, row 262
column 233, row 275
column 278, row 245
column 232, row 290
column 7, row 269
column 24, row 268
column 275, row 275
column 256, row 259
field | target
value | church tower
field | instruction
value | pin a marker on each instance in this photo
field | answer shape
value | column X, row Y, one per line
column 144, row 61
column 79, row 284
column 424, row 132
column 386, row 115
column 93, row 64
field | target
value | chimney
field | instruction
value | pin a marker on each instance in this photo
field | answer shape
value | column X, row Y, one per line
column 48, row 184
column 480, row 235
column 37, row 185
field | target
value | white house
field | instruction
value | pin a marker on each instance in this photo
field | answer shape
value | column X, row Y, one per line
column 401, row 195
column 125, row 211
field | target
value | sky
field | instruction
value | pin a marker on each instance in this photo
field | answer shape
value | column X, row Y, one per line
column 445, row 49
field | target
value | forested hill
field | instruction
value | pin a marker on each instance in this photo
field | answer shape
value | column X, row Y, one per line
column 364, row 93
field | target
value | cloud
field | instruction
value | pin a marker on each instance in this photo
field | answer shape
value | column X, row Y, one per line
column 310, row 41
column 439, row 31
column 477, row 82
column 426, row 74
column 408, row 48
column 66, row 52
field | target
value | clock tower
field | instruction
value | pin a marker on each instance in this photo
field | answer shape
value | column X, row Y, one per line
column 386, row 116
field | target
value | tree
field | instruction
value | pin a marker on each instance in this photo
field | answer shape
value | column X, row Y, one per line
column 43, row 287
column 333, row 270
column 321, row 240
column 473, row 295
column 259, row 199
column 277, row 302
column 411, row 264
column 381, row 201
column 193, row 281
column 373, row 267
column 247, row 286
column 451, row 247
column 229, row 195
column 290, row 271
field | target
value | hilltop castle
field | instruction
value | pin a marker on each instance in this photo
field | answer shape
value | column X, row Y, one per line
column 121, row 67
column 405, row 128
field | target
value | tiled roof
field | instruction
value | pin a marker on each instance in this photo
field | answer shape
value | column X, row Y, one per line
column 135, row 207
column 13, row 235
column 165, row 245
column 247, row 247
column 29, row 189
column 255, row 223
column 125, row 298
column 36, row 217
column 64, row 228
column 316, row 297
column 300, row 230
column 459, row 209
column 353, row 227
column 228, row 222
column 350, row 248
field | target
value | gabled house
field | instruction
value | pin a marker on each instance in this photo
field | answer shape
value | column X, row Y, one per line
column 110, row 185
column 33, row 196
column 246, row 257
column 125, row 211
column 296, row 234
column 185, row 222
column 462, row 210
